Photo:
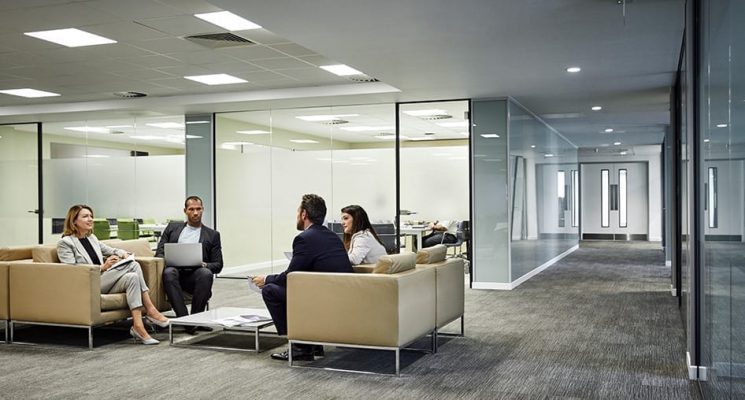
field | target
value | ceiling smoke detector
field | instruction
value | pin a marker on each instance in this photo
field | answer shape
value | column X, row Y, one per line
column 129, row 95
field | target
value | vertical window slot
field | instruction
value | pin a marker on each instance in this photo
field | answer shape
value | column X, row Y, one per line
column 622, row 211
column 575, row 198
column 604, row 199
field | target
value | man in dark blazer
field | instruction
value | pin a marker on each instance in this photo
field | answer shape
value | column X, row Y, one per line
column 315, row 249
column 197, row 280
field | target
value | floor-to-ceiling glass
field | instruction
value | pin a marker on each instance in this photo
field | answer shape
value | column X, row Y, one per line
column 434, row 172
column 266, row 161
column 722, row 173
column 129, row 170
column 19, row 180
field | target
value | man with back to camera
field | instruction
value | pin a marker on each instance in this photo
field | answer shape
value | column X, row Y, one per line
column 197, row 280
column 315, row 249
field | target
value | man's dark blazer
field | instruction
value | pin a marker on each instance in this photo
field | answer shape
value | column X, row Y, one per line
column 209, row 238
column 316, row 249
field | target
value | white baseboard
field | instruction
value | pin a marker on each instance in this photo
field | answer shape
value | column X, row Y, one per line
column 247, row 268
column 518, row 282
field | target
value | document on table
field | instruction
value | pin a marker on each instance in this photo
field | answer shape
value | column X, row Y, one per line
column 241, row 320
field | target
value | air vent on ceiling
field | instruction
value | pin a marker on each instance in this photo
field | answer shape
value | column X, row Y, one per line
column 334, row 122
column 219, row 40
column 362, row 78
column 129, row 95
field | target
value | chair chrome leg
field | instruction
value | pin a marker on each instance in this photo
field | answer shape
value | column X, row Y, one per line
column 398, row 362
column 11, row 331
column 434, row 341
column 289, row 353
column 90, row 338
column 463, row 325
column 6, row 332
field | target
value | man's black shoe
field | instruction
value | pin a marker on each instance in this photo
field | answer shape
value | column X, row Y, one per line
column 204, row 329
column 318, row 351
column 297, row 355
column 192, row 330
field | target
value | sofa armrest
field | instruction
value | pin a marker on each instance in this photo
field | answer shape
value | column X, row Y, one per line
column 361, row 309
column 55, row 293
column 152, row 268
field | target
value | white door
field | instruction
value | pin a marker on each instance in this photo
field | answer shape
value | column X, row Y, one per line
column 615, row 201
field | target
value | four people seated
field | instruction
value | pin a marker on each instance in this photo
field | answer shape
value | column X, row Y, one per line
column 360, row 239
column 315, row 249
column 198, row 280
column 80, row 246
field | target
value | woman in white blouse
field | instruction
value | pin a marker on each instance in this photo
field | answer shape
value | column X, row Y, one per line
column 362, row 243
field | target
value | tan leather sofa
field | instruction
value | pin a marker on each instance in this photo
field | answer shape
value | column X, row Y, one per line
column 47, row 292
column 450, row 285
column 388, row 309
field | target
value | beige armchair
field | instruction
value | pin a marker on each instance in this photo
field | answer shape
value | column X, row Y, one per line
column 47, row 292
column 9, row 254
column 387, row 310
column 450, row 286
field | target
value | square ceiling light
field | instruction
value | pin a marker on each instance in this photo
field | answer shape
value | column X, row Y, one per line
column 70, row 37
column 216, row 79
column 341, row 70
column 30, row 93
column 228, row 20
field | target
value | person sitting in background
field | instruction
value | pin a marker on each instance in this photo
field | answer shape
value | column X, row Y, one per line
column 360, row 239
column 442, row 232
column 80, row 246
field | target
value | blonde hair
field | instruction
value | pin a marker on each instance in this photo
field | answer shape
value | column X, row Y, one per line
column 72, row 215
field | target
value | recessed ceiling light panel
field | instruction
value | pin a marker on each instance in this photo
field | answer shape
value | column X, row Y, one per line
column 303, row 141
column 228, row 20
column 253, row 132
column 216, row 79
column 341, row 70
column 30, row 93
column 596, row 108
column 574, row 70
column 70, row 37
column 608, row 130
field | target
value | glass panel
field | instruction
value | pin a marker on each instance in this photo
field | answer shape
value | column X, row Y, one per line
column 19, row 169
column 575, row 198
column 549, row 196
column 604, row 199
column 490, row 193
column 722, row 137
column 344, row 154
column 622, row 214
column 434, row 172
column 117, row 166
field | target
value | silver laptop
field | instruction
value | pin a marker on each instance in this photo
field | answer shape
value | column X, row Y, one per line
column 183, row 255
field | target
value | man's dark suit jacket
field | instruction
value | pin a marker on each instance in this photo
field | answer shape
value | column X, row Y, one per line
column 316, row 249
column 209, row 238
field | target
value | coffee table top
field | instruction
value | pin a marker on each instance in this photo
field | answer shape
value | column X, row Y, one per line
column 208, row 318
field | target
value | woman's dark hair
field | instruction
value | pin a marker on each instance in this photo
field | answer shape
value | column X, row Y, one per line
column 360, row 222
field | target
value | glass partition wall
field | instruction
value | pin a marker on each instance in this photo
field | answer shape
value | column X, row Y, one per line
column 118, row 166
column 266, row 161
column 19, row 179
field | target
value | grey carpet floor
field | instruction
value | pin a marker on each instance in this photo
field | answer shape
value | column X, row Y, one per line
column 600, row 324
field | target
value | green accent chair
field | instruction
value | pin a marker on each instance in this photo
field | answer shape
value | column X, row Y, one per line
column 128, row 229
column 101, row 228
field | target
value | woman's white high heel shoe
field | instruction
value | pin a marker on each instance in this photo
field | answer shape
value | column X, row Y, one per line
column 136, row 336
column 162, row 324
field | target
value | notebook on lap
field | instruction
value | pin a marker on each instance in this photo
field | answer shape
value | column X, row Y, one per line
column 183, row 255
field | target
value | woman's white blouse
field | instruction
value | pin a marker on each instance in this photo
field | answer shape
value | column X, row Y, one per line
column 365, row 249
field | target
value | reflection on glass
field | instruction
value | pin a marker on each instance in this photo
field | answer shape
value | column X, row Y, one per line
column 561, row 191
column 575, row 198
column 711, row 196
column 622, row 222
column 604, row 200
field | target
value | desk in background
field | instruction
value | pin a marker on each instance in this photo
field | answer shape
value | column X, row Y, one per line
column 416, row 232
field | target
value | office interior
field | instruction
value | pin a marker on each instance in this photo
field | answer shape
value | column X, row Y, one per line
column 533, row 178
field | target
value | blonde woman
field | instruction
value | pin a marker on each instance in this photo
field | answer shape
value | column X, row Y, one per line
column 80, row 246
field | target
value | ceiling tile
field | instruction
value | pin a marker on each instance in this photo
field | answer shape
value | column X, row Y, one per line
column 181, row 25
column 185, row 70
column 280, row 63
column 168, row 45
column 263, row 36
column 190, row 6
column 125, row 31
column 202, row 57
column 141, row 74
column 251, row 53
column 153, row 61
column 292, row 49
column 133, row 9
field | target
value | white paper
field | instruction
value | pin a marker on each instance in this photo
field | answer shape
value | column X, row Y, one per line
column 252, row 285
column 241, row 320
column 124, row 261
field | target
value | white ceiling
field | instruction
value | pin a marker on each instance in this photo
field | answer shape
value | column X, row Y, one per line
column 427, row 49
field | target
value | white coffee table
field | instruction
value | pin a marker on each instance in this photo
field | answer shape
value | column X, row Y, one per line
column 208, row 318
